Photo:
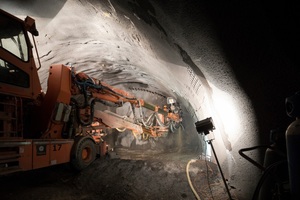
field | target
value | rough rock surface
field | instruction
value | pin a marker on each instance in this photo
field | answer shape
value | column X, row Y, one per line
column 162, row 177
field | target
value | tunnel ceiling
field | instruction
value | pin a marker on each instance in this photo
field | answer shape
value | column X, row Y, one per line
column 111, row 44
column 104, row 41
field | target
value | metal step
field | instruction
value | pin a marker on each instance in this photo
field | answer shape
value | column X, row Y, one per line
column 4, row 155
column 9, row 170
column 9, row 160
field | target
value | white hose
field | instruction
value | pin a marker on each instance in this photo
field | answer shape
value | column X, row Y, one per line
column 121, row 130
column 189, row 179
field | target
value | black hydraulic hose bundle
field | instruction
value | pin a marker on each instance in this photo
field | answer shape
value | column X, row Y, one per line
column 83, row 86
column 267, row 171
column 91, row 115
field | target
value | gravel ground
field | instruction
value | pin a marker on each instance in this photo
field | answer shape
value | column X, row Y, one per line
column 162, row 176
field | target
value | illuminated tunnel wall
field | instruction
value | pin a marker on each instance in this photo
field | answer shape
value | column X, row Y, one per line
column 228, row 61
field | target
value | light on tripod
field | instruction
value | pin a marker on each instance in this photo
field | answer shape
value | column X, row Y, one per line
column 204, row 127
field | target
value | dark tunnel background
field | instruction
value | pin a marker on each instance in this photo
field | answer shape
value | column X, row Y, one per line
column 260, row 41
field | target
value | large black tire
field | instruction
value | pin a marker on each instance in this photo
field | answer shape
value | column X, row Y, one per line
column 83, row 153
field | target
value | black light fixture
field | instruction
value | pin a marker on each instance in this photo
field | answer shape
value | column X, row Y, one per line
column 205, row 126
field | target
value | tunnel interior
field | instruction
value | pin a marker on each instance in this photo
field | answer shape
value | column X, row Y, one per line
column 235, row 62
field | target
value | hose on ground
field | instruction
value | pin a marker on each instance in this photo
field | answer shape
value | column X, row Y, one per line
column 189, row 179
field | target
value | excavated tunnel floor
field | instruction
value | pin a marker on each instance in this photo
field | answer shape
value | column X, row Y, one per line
column 151, row 176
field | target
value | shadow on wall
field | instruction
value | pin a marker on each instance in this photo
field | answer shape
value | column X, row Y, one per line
column 260, row 40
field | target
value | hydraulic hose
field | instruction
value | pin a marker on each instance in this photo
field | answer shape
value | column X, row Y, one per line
column 241, row 152
column 91, row 116
column 189, row 179
column 118, row 94
column 266, row 173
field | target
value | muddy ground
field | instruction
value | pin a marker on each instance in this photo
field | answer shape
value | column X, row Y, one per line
column 160, row 176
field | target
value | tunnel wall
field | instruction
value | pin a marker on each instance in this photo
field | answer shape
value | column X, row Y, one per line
column 248, row 51
column 220, row 95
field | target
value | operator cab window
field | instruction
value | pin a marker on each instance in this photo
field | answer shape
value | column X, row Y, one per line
column 12, row 37
column 12, row 75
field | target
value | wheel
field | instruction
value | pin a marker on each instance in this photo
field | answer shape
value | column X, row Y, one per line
column 83, row 153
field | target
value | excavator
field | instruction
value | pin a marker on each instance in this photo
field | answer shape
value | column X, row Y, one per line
column 68, row 122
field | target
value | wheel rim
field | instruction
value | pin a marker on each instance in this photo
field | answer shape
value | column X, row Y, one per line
column 86, row 154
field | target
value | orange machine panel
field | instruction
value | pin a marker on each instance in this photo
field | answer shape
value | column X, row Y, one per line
column 51, row 152
column 60, row 151
column 40, row 154
column 25, row 159
column 15, row 155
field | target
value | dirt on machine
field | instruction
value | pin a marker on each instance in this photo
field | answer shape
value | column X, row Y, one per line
column 67, row 123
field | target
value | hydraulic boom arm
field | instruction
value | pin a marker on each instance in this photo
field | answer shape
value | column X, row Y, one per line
column 159, row 122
